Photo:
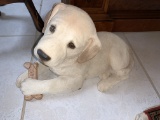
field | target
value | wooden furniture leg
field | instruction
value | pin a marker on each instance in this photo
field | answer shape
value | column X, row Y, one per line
column 39, row 24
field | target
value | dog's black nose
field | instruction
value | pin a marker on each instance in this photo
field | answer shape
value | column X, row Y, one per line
column 43, row 56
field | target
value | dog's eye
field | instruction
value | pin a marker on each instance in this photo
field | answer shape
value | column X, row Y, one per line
column 71, row 45
column 52, row 28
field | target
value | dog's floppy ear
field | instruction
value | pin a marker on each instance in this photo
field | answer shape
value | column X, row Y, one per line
column 92, row 48
column 56, row 7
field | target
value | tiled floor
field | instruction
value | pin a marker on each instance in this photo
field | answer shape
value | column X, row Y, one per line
column 122, row 102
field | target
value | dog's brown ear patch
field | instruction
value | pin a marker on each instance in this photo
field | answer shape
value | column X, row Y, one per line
column 56, row 7
column 92, row 48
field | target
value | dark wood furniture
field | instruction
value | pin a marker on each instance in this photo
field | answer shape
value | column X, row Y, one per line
column 122, row 15
column 31, row 8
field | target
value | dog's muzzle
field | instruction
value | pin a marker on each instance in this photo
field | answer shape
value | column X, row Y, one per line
column 43, row 56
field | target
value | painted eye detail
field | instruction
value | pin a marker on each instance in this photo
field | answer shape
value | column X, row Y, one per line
column 52, row 28
column 71, row 45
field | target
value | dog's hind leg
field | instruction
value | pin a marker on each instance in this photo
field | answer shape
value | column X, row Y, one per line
column 109, row 80
column 121, row 62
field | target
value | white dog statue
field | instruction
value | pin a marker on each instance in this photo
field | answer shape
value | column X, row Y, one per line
column 73, row 50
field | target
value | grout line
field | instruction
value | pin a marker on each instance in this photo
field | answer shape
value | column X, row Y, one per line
column 41, row 7
column 15, row 35
column 23, row 110
column 145, row 71
column 39, row 14
column 36, row 33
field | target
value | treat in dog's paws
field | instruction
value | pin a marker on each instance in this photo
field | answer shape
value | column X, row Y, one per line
column 32, row 73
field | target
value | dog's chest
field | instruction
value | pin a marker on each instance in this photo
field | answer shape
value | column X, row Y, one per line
column 59, row 71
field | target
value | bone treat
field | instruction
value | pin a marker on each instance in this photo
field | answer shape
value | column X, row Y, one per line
column 32, row 73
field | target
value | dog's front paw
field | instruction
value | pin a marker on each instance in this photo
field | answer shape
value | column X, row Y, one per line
column 103, row 87
column 21, row 78
column 18, row 82
column 30, row 87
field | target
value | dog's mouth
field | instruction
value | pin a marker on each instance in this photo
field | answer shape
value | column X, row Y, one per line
column 42, row 62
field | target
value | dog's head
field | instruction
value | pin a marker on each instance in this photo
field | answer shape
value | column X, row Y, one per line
column 69, row 33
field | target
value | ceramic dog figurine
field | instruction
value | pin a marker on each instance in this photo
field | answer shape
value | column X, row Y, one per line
column 73, row 50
